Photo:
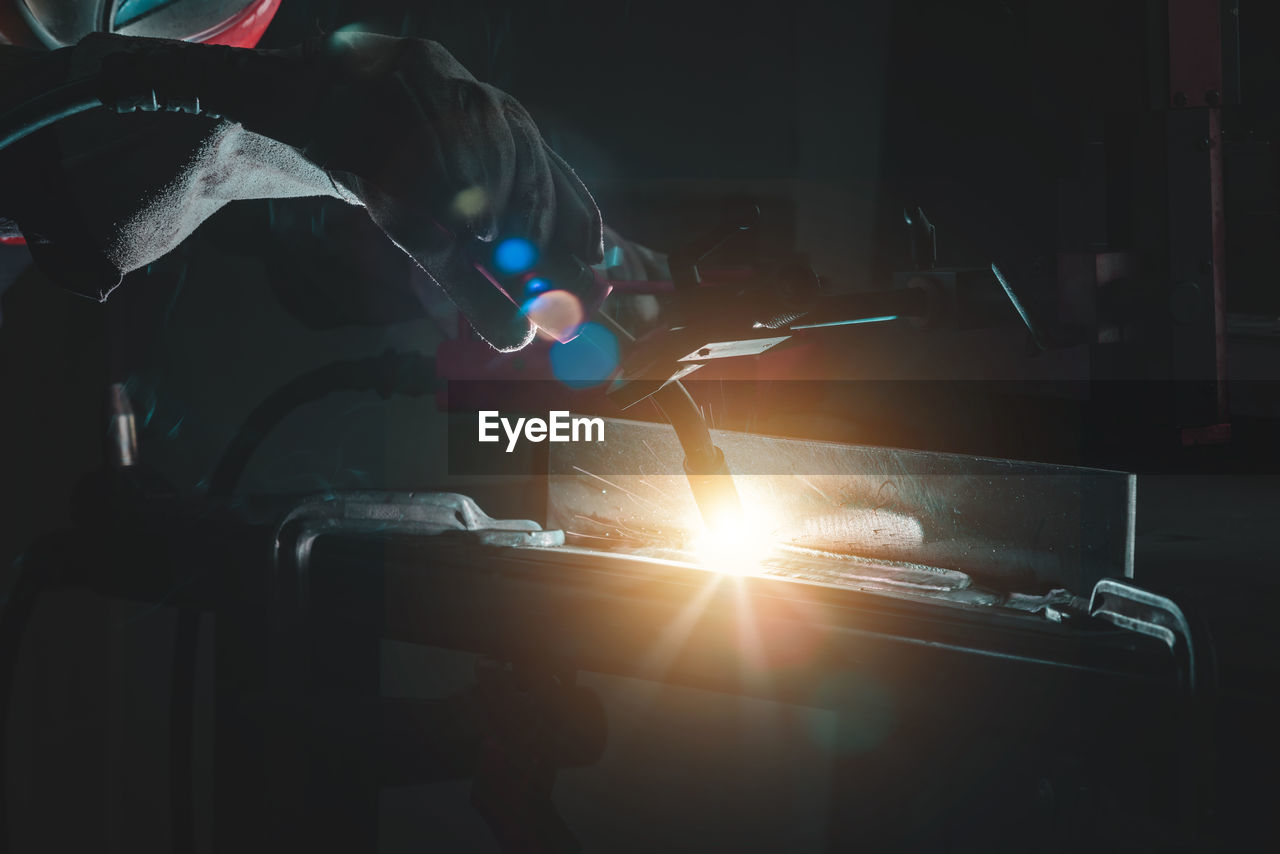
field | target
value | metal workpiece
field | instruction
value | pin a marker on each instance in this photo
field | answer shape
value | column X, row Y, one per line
column 417, row 513
column 1017, row 526
column 320, row 631
column 1148, row 613
column 945, row 670
column 300, row 728
column 646, row 618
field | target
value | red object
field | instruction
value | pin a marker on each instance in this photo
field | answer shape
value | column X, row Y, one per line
column 1195, row 53
column 242, row 29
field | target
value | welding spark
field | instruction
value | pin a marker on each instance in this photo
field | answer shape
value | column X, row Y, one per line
column 621, row 489
column 655, row 488
column 651, row 451
column 623, row 532
column 635, row 533
column 587, row 536
column 809, row 484
column 625, row 535
column 596, row 522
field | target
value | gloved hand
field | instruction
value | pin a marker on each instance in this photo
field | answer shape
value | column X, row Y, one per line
column 437, row 157
column 444, row 164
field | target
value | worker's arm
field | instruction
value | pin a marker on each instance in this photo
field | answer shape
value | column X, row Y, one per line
column 438, row 159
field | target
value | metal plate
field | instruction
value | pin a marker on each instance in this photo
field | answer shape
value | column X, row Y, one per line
column 729, row 349
column 1022, row 526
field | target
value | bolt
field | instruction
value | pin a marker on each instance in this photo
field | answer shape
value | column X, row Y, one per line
column 1179, row 99
column 1204, row 144
column 1212, row 98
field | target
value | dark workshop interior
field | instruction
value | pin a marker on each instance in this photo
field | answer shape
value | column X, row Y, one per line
column 935, row 352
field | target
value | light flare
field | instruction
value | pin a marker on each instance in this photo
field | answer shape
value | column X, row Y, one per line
column 735, row 543
column 471, row 203
column 557, row 314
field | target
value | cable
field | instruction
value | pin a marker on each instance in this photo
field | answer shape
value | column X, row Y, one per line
column 127, row 84
column 47, row 109
column 29, row 117
column 391, row 373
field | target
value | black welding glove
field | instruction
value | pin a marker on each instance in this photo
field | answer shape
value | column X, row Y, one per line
column 459, row 164
column 444, row 164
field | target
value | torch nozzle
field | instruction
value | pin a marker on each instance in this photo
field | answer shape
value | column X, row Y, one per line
column 714, row 491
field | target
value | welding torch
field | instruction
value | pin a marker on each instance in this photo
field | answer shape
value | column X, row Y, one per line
column 704, row 463
column 710, row 321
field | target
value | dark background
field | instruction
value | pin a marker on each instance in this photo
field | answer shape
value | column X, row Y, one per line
column 991, row 115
